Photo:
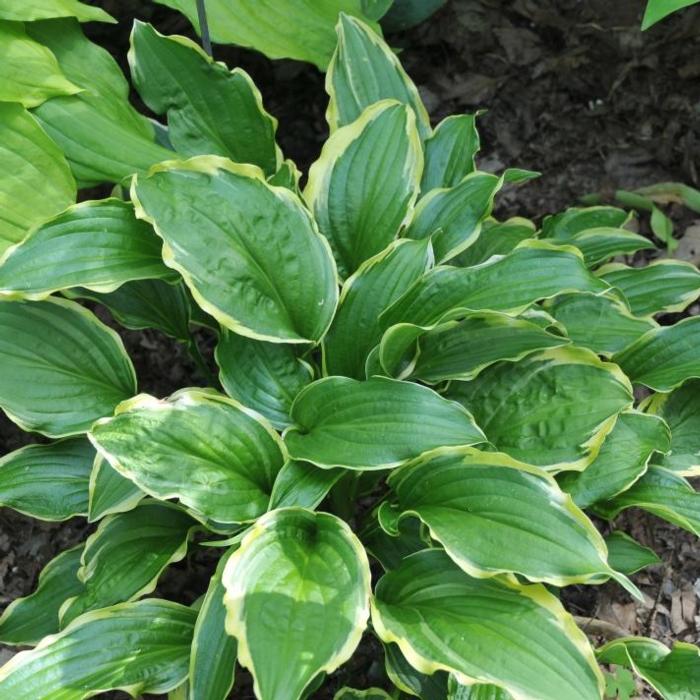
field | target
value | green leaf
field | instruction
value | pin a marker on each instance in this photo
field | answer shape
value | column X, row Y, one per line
column 28, row 620
column 376, row 424
column 496, row 238
column 482, row 691
column 461, row 349
column 603, row 324
column 48, row 482
column 213, row 660
column 390, row 549
column 302, row 484
column 30, row 10
column 217, row 457
column 29, row 73
column 552, row 409
column 210, row 109
column 406, row 678
column 257, row 263
column 627, row 555
column 664, row 286
column 533, row 271
column 62, row 368
column 664, row 357
column 308, row 571
column 369, row 694
column 435, row 613
column 104, row 138
column 377, row 283
column 567, row 224
column 601, row 244
column 98, row 245
column 534, row 529
column 405, row 14
column 110, row 492
column 659, row 9
column 364, row 70
column 363, row 187
column 452, row 217
column 36, row 183
column 664, row 494
column 623, row 458
column 96, row 653
column 450, row 152
column 264, row 376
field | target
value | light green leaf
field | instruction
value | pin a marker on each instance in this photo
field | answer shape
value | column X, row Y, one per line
column 98, row 245
column 482, row 691
column 407, row 679
column 376, row 424
column 364, row 70
column 534, row 529
column 161, row 631
column 28, row 620
column 363, row 187
column 552, row 409
column 369, row 694
column 533, row 271
column 309, row 571
column 257, row 263
column 104, row 138
column 287, row 176
column 55, row 350
column 452, row 217
column 664, row 357
column 378, row 283
column 263, row 376
column 302, row 484
column 601, row 244
column 461, row 349
column 30, row 10
column 37, row 183
column 627, row 555
column 48, row 482
column 110, row 492
column 601, row 323
column 496, row 238
column 210, row 110
column 450, row 152
column 435, row 613
column 623, row 458
column 217, row 457
column 664, row 286
column 29, row 73
column 567, row 224
column 659, row 9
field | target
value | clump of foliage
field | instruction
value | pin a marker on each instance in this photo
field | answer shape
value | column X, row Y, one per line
column 406, row 380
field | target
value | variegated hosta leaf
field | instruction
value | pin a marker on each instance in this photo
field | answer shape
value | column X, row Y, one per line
column 104, row 138
column 302, row 484
column 30, row 10
column 98, row 245
column 435, row 613
column 376, row 424
column 534, row 529
column 408, row 537
column 124, row 558
column 664, row 357
column 29, row 73
column 28, row 620
column 96, row 653
column 377, row 283
column 673, row 673
column 257, row 262
column 363, row 186
column 110, row 492
column 681, row 411
column 408, row 680
column 210, row 110
column 452, row 217
column 623, row 458
column 450, row 152
column 364, row 70
column 217, row 457
column 264, row 376
column 627, row 555
column 61, row 369
column 663, row 493
column 496, row 238
column 36, row 182
column 49, row 482
column 483, row 691
column 600, row 323
column 297, row 595
column 369, row 694
column 287, row 176
column 567, row 224
column 664, row 286
column 533, row 271
column 601, row 244
column 461, row 349
column 552, row 409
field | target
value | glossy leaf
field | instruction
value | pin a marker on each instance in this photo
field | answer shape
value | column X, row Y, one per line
column 407, row 679
column 567, row 224
column 257, row 263
column 30, row 10
column 302, row 484
column 363, row 186
column 110, row 492
column 376, row 424
column 628, row 556
column 62, row 369
column 310, row 571
column 496, row 238
column 482, row 691
column 601, row 244
column 435, row 613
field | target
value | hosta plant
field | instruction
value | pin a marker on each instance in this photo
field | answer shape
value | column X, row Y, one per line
column 418, row 407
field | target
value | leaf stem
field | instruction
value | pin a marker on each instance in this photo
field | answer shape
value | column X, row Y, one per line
column 201, row 364
column 204, row 26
